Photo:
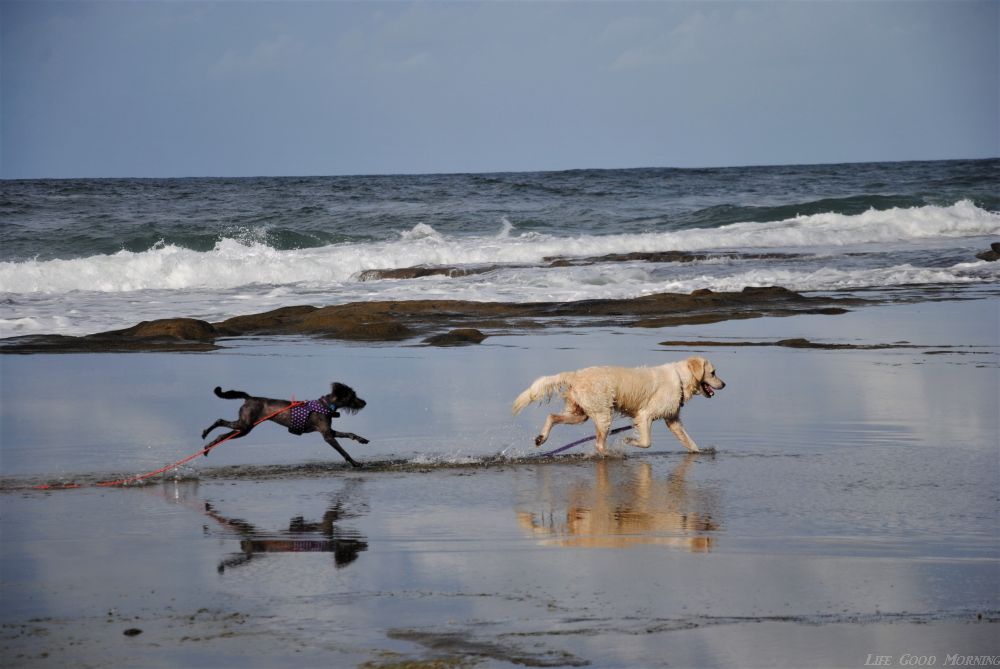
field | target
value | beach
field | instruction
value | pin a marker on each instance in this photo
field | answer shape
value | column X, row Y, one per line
column 290, row 292
column 844, row 508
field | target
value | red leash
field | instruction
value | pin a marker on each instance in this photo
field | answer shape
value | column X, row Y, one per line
column 142, row 477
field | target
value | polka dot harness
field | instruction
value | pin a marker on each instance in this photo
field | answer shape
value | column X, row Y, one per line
column 299, row 415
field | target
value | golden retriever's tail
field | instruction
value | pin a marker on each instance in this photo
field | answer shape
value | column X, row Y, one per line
column 541, row 390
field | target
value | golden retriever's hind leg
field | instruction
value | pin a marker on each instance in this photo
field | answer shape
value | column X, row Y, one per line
column 569, row 417
column 678, row 429
column 544, row 434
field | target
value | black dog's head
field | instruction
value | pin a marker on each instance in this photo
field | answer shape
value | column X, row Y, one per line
column 344, row 398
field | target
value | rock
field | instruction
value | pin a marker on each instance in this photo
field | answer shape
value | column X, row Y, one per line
column 264, row 323
column 388, row 330
column 457, row 337
column 768, row 290
column 418, row 271
column 187, row 329
column 992, row 255
column 356, row 321
column 795, row 343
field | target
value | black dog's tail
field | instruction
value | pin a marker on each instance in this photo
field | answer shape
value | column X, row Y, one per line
column 231, row 394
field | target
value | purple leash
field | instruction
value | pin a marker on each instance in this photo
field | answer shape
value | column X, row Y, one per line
column 578, row 442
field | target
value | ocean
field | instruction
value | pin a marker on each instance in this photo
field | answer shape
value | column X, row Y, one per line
column 88, row 255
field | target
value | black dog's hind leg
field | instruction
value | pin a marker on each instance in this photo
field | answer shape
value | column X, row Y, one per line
column 235, row 434
column 239, row 429
column 222, row 422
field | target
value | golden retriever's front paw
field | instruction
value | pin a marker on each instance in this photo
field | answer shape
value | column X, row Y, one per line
column 539, row 440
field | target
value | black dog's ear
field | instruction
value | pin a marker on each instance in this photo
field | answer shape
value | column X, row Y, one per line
column 336, row 394
column 340, row 391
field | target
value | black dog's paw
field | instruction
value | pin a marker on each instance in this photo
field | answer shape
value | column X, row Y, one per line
column 362, row 440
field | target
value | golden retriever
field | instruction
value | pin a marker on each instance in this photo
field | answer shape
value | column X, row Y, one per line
column 644, row 394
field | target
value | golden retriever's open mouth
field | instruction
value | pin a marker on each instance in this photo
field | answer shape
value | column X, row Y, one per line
column 706, row 390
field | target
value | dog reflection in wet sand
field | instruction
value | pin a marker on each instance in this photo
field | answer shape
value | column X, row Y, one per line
column 626, row 506
column 301, row 537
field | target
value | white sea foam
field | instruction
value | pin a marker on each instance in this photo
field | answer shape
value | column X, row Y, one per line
column 506, row 228
column 234, row 263
column 97, row 312
column 106, row 292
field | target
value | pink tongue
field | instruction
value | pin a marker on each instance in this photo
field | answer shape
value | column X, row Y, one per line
column 708, row 390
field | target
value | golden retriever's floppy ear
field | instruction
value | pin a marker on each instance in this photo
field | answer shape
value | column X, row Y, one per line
column 697, row 367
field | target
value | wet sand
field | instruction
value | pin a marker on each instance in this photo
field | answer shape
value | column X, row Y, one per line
column 847, row 506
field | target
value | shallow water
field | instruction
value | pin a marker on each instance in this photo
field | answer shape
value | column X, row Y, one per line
column 69, row 416
column 648, row 561
column 848, row 507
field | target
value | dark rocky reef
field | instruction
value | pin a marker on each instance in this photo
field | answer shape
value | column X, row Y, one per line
column 420, row 271
column 788, row 343
column 168, row 334
column 660, row 257
column 992, row 255
column 393, row 321
column 457, row 337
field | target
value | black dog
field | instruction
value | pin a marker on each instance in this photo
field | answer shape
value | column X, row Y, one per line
column 255, row 408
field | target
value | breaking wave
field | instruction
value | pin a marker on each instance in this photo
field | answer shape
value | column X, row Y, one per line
column 249, row 261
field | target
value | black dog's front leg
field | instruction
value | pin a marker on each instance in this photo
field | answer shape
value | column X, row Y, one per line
column 331, row 438
column 350, row 435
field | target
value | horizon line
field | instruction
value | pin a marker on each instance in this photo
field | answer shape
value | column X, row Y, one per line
column 503, row 172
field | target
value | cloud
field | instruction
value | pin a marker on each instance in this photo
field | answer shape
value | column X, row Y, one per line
column 381, row 42
column 660, row 44
column 267, row 56
column 416, row 61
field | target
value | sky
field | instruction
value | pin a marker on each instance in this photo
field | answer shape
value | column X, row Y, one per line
column 182, row 89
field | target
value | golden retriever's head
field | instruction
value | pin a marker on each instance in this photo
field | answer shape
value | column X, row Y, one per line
column 703, row 375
